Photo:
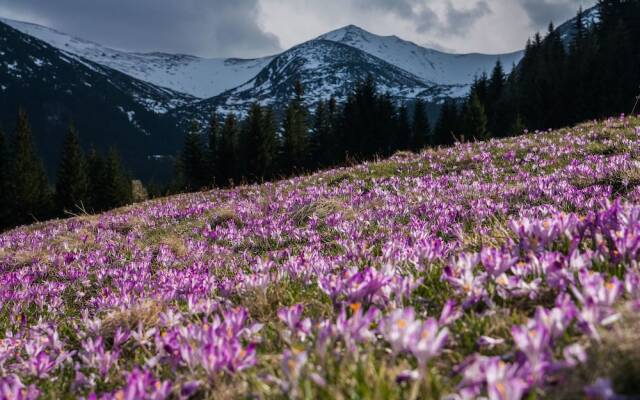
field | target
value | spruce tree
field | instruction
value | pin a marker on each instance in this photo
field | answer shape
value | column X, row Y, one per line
column 118, row 188
column 193, row 161
column 404, row 133
column 421, row 132
column 29, row 194
column 268, row 146
column 384, row 127
column 295, row 134
column 475, row 120
column 259, row 142
column 328, row 148
column 72, row 182
column 496, row 107
column 447, row 126
column 225, row 173
column 4, row 183
column 319, row 131
column 97, row 182
column 213, row 137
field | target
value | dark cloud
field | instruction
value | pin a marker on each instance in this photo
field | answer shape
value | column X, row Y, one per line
column 541, row 12
column 454, row 21
column 204, row 27
column 459, row 20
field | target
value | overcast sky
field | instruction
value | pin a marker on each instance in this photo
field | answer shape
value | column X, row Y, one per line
column 252, row 28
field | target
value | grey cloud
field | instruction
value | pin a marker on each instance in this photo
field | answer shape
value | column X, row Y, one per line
column 402, row 8
column 458, row 20
column 203, row 27
column 454, row 21
column 541, row 12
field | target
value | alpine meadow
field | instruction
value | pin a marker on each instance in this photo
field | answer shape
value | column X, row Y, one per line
column 354, row 216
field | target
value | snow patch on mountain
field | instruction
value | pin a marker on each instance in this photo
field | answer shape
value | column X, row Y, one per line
column 430, row 65
column 199, row 77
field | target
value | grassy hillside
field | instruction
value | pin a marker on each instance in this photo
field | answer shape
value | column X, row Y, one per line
column 506, row 269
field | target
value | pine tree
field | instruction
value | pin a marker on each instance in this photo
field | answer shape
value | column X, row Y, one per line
column 30, row 197
column 330, row 149
column 495, row 107
column 475, row 120
column 268, row 146
column 213, row 134
column 518, row 127
column 358, row 128
column 404, row 133
column 4, row 183
column 193, row 161
column 72, row 183
column 118, row 189
column 259, row 142
column 421, row 131
column 226, row 171
column 97, row 182
column 295, row 134
column 384, row 127
column 447, row 126
column 319, row 132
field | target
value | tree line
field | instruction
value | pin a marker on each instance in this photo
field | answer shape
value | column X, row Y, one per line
column 257, row 148
column 84, row 184
column 559, row 82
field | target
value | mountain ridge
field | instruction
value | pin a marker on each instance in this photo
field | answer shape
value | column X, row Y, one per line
column 205, row 78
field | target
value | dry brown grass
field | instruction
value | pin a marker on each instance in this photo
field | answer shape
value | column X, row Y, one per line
column 499, row 234
column 320, row 209
column 146, row 313
column 176, row 244
column 223, row 216
column 139, row 191
column 23, row 257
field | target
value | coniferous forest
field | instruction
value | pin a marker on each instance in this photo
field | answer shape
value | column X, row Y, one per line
column 557, row 83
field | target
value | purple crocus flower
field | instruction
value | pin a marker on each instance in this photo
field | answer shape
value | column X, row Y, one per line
column 292, row 317
column 398, row 329
column 427, row 341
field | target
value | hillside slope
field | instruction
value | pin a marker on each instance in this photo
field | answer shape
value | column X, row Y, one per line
column 108, row 107
column 499, row 269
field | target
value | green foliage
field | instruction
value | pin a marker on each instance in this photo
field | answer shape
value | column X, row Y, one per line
column 404, row 134
column 420, row 130
column 259, row 143
column 29, row 194
column 558, row 83
column 226, row 171
column 73, row 183
column 4, row 183
column 295, row 134
column 475, row 120
column 193, row 162
column 447, row 126
column 213, row 138
column 109, row 184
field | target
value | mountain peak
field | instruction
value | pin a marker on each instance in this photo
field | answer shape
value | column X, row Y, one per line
column 346, row 33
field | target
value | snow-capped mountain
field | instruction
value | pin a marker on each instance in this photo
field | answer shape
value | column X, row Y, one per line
column 195, row 76
column 206, row 78
column 436, row 67
column 108, row 107
column 324, row 68
column 140, row 103
column 590, row 17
